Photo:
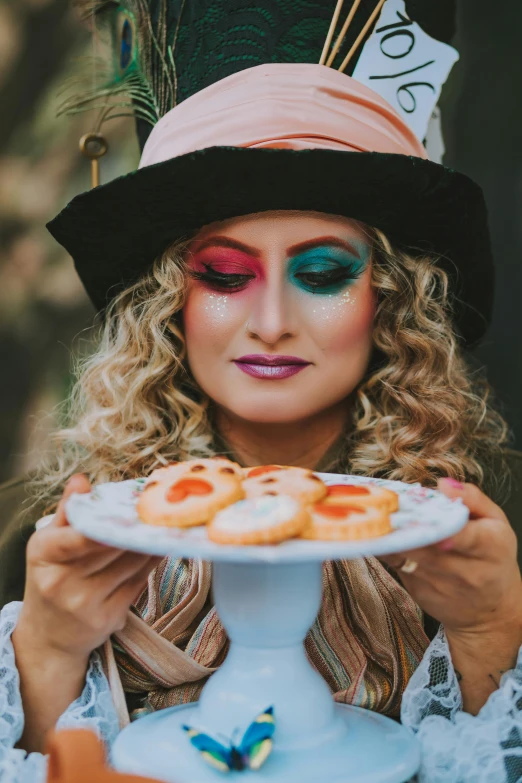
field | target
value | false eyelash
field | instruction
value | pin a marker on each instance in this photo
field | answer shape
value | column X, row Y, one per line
column 332, row 277
column 219, row 278
column 233, row 282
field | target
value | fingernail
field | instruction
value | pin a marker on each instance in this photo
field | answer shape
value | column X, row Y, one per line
column 453, row 482
column 445, row 546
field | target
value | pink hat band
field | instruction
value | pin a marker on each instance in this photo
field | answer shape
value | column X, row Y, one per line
column 295, row 106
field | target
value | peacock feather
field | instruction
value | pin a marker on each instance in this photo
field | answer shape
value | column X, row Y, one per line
column 140, row 77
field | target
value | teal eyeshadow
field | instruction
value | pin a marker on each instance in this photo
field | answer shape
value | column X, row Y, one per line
column 328, row 258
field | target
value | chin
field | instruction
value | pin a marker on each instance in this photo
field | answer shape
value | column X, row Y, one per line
column 271, row 413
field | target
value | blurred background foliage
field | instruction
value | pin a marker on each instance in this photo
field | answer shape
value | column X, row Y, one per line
column 45, row 315
column 43, row 307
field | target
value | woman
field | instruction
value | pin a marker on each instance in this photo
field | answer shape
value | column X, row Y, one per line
column 79, row 592
column 383, row 389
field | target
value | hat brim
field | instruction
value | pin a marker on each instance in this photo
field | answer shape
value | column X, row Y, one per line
column 115, row 231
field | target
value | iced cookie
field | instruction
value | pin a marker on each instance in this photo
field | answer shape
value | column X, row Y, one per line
column 187, row 500
column 261, row 520
column 299, row 483
column 334, row 522
column 199, row 468
column 363, row 496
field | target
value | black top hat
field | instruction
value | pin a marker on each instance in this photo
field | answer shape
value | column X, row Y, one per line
column 115, row 231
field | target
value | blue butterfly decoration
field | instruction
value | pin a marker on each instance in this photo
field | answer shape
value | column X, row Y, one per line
column 251, row 753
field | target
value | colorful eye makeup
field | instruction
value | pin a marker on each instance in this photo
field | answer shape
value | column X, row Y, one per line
column 321, row 269
column 224, row 268
column 326, row 269
column 221, row 281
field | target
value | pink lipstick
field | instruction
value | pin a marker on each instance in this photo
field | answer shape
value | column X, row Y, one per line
column 271, row 367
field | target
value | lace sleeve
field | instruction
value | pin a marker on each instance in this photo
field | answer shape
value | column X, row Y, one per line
column 94, row 709
column 457, row 747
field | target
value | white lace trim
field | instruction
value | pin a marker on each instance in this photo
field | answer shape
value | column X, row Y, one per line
column 457, row 747
column 433, row 688
column 94, row 709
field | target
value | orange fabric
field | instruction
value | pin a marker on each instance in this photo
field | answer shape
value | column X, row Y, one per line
column 78, row 756
column 287, row 105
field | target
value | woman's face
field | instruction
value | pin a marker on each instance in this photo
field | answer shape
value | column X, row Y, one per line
column 279, row 312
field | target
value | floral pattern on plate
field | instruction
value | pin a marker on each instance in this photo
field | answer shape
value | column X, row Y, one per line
column 108, row 514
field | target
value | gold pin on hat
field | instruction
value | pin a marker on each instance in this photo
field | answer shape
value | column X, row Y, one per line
column 94, row 146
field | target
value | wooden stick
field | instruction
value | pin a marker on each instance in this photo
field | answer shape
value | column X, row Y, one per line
column 343, row 32
column 331, row 30
column 361, row 36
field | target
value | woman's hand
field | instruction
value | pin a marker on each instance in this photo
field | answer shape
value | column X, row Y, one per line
column 77, row 591
column 471, row 584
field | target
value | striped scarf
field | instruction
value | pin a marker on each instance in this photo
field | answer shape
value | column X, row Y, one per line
column 366, row 642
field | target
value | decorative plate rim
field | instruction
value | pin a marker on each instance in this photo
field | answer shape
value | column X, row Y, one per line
column 107, row 514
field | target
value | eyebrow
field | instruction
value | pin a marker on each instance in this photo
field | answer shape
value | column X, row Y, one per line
column 294, row 250
column 319, row 241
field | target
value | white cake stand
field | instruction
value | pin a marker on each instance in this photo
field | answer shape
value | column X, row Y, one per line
column 267, row 598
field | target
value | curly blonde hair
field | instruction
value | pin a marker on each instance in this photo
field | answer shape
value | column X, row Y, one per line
column 419, row 413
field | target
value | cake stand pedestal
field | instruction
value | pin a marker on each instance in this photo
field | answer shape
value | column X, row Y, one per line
column 267, row 609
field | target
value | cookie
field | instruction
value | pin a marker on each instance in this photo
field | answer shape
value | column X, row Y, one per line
column 299, row 483
column 184, row 500
column 336, row 522
column 260, row 520
column 199, row 468
column 363, row 496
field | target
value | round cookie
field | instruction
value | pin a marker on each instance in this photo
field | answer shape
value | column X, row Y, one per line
column 299, row 483
column 335, row 522
column 261, row 520
column 363, row 496
column 199, row 468
column 184, row 501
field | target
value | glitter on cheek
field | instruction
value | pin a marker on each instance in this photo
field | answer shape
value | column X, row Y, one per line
column 330, row 306
column 217, row 305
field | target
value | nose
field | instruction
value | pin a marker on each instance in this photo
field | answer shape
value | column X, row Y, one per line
column 271, row 318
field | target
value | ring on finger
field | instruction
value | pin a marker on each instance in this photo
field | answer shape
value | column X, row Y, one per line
column 409, row 566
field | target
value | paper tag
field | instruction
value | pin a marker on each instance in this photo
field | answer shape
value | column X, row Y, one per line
column 405, row 65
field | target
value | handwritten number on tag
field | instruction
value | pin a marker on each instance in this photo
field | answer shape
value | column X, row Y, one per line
column 404, row 73
column 406, row 88
column 405, row 65
column 399, row 32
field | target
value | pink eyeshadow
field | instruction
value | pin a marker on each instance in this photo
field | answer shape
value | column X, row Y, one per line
column 228, row 261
